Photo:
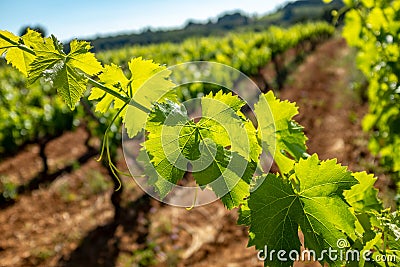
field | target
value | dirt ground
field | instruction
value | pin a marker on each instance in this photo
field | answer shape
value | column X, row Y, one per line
column 69, row 222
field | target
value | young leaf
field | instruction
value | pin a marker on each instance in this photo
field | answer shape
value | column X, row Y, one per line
column 165, row 125
column 80, row 58
column 228, row 127
column 228, row 174
column 114, row 78
column 18, row 58
column 64, row 71
column 278, row 132
column 363, row 196
column 149, row 83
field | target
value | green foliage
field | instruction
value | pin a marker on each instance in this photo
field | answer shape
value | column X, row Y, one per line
column 144, row 257
column 321, row 198
column 174, row 140
column 310, row 198
column 363, row 196
column 247, row 51
column 282, row 136
column 48, row 116
column 374, row 28
column 8, row 188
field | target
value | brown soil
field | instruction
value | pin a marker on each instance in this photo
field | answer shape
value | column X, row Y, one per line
column 70, row 222
column 329, row 111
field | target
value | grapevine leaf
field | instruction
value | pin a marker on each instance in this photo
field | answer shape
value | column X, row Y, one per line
column 326, row 215
column 62, row 69
column 255, row 148
column 245, row 219
column 221, row 113
column 4, row 45
column 280, row 135
column 228, row 174
column 32, row 38
column 165, row 124
column 369, row 246
column 274, row 207
column 315, row 204
column 49, row 60
column 162, row 176
column 174, row 141
column 324, row 178
column 114, row 78
column 244, row 214
column 80, row 57
column 363, row 196
column 222, row 125
column 149, row 84
column 18, row 58
column 69, row 84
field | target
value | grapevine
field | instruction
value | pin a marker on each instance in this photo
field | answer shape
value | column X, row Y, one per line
column 321, row 198
column 373, row 28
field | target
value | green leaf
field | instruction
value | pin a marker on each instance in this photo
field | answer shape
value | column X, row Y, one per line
column 148, row 84
column 80, row 57
column 5, row 44
column 315, row 204
column 324, row 178
column 64, row 71
column 165, row 124
column 221, row 114
column 114, row 78
column 369, row 246
column 223, row 125
column 162, row 176
column 244, row 214
column 274, row 207
column 228, row 174
column 18, row 58
column 280, row 135
column 255, row 148
column 174, row 141
column 363, row 196
column 32, row 38
column 49, row 60
column 69, row 84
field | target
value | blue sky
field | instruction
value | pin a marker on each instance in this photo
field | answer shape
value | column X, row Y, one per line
column 70, row 18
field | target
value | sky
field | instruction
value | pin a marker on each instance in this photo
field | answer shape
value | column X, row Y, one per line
column 87, row 18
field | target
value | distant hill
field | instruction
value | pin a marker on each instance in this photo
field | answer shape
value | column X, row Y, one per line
column 301, row 11
column 224, row 23
column 290, row 13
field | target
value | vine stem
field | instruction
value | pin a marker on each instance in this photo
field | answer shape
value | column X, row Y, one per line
column 20, row 46
column 384, row 247
column 90, row 80
column 110, row 91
